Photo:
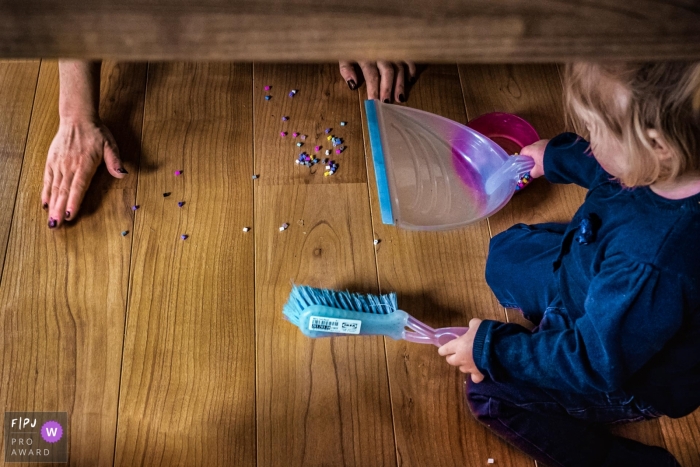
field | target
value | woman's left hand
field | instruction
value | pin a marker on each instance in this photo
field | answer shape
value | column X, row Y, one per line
column 385, row 80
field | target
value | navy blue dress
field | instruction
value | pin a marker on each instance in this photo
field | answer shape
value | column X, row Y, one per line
column 615, row 296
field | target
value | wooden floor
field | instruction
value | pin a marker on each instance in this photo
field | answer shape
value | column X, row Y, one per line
column 167, row 352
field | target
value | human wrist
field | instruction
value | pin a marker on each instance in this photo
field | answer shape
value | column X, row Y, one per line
column 79, row 91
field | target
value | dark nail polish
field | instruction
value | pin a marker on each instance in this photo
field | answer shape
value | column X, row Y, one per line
column 45, row 206
column 122, row 170
column 412, row 79
column 67, row 214
column 352, row 84
column 52, row 223
column 386, row 101
column 402, row 98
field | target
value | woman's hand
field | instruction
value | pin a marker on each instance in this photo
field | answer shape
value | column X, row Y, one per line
column 75, row 153
column 385, row 80
column 536, row 151
column 459, row 352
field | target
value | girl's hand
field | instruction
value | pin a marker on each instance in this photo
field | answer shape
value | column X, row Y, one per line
column 536, row 151
column 459, row 352
column 75, row 153
column 382, row 78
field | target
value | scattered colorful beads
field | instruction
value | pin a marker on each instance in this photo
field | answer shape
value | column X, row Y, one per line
column 328, row 152
column 283, row 134
column 268, row 97
column 135, row 207
column 246, row 229
column 303, row 137
column 330, row 137
column 284, row 119
column 343, row 123
column 124, row 233
column 267, row 88
column 524, row 180
column 178, row 173
column 184, row 237
column 317, row 148
column 376, row 241
column 180, row 204
column 328, row 130
column 292, row 92
column 295, row 134
column 284, row 226
column 255, row 177
column 330, row 168
column 300, row 144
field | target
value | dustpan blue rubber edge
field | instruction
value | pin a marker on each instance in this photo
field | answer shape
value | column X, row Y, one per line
column 375, row 142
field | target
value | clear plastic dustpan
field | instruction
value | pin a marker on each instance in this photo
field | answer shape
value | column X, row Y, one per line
column 436, row 174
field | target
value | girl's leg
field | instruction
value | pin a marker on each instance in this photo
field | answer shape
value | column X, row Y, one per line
column 562, row 429
column 519, row 268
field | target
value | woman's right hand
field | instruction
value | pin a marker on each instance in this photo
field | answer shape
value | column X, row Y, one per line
column 536, row 151
column 76, row 151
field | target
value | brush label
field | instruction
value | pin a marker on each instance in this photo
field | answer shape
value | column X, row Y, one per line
column 342, row 326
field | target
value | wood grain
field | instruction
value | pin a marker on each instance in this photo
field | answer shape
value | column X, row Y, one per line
column 534, row 92
column 313, row 30
column 63, row 294
column 320, row 401
column 17, row 86
column 682, row 437
column 439, row 278
column 323, row 401
column 323, row 100
column 188, row 377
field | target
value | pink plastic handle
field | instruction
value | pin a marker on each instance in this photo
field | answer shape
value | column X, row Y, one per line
column 506, row 126
column 424, row 334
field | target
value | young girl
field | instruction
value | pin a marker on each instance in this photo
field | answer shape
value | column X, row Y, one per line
column 615, row 294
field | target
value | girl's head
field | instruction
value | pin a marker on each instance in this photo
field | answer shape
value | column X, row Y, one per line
column 642, row 119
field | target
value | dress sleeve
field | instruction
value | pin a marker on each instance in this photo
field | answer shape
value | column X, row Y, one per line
column 566, row 161
column 632, row 309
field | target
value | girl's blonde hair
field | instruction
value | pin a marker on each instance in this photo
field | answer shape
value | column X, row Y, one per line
column 662, row 96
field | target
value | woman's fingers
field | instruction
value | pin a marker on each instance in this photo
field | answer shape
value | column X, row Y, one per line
column 399, row 88
column 369, row 70
column 347, row 71
column 57, row 210
column 46, row 190
column 55, row 189
column 411, row 72
column 80, row 184
column 386, row 70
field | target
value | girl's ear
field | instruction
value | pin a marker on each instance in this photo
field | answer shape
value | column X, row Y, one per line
column 659, row 145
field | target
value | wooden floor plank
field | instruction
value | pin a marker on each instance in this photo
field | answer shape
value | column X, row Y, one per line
column 682, row 437
column 188, row 380
column 324, row 401
column 323, row 100
column 439, row 277
column 17, row 86
column 63, row 294
column 534, row 92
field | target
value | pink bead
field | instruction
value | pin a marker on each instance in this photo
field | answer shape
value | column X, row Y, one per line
column 317, row 148
column 178, row 172
column 295, row 134
column 283, row 134
column 267, row 88
column 303, row 137
column 337, row 151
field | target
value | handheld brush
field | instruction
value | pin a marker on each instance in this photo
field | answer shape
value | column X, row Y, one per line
column 327, row 313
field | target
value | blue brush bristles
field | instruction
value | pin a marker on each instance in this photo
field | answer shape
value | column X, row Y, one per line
column 303, row 296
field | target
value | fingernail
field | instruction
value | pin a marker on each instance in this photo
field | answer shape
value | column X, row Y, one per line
column 45, row 206
column 402, row 98
column 386, row 101
column 122, row 170
column 67, row 214
column 352, row 84
column 412, row 79
column 52, row 222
